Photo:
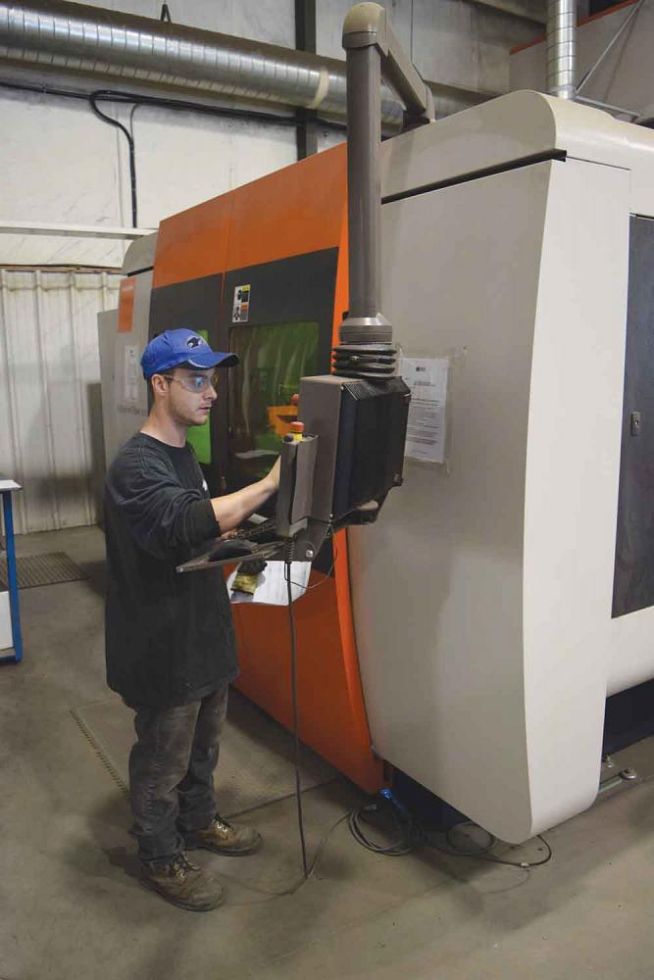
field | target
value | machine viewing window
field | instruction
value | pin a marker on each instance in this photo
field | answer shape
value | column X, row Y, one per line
column 272, row 359
column 199, row 436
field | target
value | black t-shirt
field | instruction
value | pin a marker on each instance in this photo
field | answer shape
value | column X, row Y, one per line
column 169, row 637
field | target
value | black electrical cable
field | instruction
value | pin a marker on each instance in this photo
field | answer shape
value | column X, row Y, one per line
column 526, row 865
column 296, row 720
column 409, row 836
column 162, row 102
column 131, row 119
column 484, row 853
column 93, row 97
column 323, row 581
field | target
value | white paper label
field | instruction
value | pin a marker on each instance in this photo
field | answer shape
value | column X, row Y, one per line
column 132, row 374
column 241, row 304
column 272, row 589
column 426, row 377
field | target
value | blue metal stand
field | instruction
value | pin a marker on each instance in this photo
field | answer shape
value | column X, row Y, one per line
column 12, row 576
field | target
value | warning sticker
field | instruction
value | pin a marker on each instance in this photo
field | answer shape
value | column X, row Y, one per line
column 241, row 305
column 427, row 378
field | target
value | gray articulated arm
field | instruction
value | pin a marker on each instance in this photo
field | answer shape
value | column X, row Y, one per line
column 371, row 47
column 366, row 25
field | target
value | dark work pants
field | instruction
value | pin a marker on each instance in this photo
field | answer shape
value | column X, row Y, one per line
column 171, row 770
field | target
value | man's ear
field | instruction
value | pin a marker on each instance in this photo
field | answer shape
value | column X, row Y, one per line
column 159, row 385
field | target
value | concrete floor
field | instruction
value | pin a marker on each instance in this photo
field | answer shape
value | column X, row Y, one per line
column 71, row 908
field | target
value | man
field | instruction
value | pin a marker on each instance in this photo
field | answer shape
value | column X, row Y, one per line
column 169, row 638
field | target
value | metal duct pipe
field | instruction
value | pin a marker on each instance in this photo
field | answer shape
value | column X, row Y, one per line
column 82, row 39
column 561, row 48
column 364, row 321
column 370, row 41
column 366, row 348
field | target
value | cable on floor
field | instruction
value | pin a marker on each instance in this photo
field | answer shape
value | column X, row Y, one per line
column 387, row 815
column 391, row 818
column 296, row 720
column 484, row 853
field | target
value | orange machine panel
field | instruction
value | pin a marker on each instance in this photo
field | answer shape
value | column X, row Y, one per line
column 290, row 212
column 294, row 211
column 126, row 305
column 332, row 717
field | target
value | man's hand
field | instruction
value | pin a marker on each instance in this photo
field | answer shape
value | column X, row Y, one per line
column 272, row 479
column 231, row 510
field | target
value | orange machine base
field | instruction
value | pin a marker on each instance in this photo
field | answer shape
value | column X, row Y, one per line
column 332, row 718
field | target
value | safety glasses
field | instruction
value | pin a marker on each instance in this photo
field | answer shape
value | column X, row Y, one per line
column 195, row 383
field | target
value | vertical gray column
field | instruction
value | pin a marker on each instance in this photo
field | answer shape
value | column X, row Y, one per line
column 561, row 48
column 364, row 197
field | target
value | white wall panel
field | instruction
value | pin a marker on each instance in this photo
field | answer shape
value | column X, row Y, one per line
column 63, row 165
column 329, row 24
column 182, row 159
column 60, row 165
column 464, row 44
column 49, row 393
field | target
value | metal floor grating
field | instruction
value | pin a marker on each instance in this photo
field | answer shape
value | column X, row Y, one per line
column 49, row 569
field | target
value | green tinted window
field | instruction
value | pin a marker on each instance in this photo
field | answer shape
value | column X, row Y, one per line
column 200, row 435
column 272, row 359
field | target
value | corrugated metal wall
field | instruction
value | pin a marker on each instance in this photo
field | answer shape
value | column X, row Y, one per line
column 50, row 404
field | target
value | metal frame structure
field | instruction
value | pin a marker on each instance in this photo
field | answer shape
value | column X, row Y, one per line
column 7, row 487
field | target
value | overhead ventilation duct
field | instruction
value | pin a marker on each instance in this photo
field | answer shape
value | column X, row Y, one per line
column 561, row 48
column 78, row 39
column 99, row 47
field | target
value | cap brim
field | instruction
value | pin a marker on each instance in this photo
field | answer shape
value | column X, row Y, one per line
column 211, row 358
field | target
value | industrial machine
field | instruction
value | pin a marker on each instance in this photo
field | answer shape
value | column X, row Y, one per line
column 471, row 636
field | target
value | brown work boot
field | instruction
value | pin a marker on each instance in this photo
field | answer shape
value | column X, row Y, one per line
column 184, row 884
column 224, row 838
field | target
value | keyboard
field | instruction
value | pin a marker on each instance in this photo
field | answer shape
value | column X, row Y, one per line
column 261, row 533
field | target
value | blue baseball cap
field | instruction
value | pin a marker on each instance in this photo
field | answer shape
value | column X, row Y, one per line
column 174, row 347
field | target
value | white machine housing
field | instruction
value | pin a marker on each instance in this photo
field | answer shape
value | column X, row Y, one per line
column 483, row 599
